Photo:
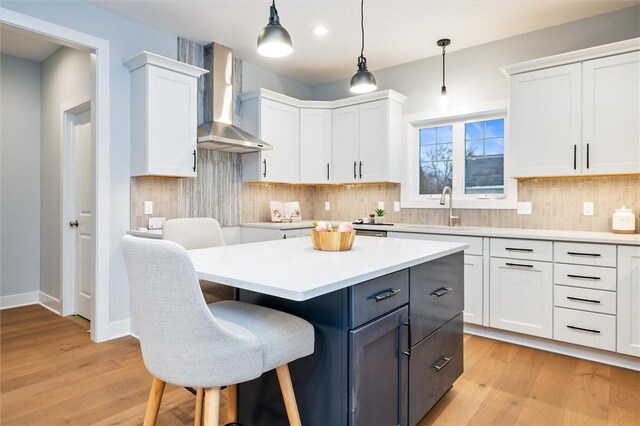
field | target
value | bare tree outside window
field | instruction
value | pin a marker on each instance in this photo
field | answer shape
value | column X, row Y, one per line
column 436, row 165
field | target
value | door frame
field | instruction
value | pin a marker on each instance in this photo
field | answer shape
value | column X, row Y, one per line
column 100, row 64
column 68, row 173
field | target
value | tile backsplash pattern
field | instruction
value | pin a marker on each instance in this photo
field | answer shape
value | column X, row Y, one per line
column 164, row 193
column 256, row 197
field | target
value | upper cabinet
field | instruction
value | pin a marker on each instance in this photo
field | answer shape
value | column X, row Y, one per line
column 164, row 118
column 356, row 139
column 581, row 118
column 278, row 124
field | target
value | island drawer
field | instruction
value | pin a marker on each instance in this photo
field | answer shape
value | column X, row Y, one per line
column 436, row 293
column 585, row 276
column 521, row 249
column 434, row 364
column 378, row 296
column 585, row 328
column 585, row 299
column 586, row 254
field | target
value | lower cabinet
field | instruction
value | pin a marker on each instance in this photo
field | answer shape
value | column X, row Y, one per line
column 521, row 296
column 254, row 235
column 473, row 289
column 629, row 300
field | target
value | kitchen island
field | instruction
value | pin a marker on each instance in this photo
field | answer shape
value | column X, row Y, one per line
column 387, row 317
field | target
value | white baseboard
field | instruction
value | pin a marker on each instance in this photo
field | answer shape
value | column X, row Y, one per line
column 51, row 303
column 583, row 352
column 22, row 299
column 119, row 329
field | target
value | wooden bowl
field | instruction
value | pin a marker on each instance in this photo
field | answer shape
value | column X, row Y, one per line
column 332, row 241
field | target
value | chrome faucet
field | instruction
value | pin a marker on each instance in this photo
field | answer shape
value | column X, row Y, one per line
column 452, row 219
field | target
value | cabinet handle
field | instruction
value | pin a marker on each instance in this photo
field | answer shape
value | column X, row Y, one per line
column 575, row 156
column 441, row 366
column 74, row 223
column 518, row 249
column 327, row 171
column 576, row 253
column 284, row 237
column 518, row 264
column 355, row 176
column 586, row 277
column 194, row 160
column 441, row 291
column 573, row 327
column 264, row 174
column 408, row 325
column 587, row 156
column 361, row 170
column 384, row 294
column 583, row 300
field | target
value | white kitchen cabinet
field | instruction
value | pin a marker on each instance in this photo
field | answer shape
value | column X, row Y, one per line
column 521, row 296
column 628, row 300
column 473, row 270
column 611, row 114
column 164, row 116
column 582, row 118
column 278, row 124
column 254, row 235
column 367, row 142
column 315, row 145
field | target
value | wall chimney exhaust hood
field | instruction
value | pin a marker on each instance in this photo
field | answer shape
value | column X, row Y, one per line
column 217, row 132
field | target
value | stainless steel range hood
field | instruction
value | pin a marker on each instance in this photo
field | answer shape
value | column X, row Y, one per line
column 217, row 132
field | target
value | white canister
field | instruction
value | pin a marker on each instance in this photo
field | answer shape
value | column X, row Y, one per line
column 624, row 221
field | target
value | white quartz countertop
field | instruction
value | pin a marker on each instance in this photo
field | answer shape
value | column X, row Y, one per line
column 524, row 233
column 293, row 270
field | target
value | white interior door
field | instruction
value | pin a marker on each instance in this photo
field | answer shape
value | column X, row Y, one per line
column 83, row 218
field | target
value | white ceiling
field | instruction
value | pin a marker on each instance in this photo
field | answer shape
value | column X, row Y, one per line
column 22, row 44
column 397, row 31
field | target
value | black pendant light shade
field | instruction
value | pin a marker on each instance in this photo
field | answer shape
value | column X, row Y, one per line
column 362, row 81
column 274, row 41
column 443, row 91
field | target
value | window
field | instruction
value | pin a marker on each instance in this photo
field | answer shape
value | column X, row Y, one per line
column 484, row 157
column 468, row 152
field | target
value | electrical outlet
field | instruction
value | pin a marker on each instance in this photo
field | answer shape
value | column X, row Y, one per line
column 524, row 208
column 327, row 206
column 396, row 206
column 148, row 207
column 587, row 208
column 381, row 205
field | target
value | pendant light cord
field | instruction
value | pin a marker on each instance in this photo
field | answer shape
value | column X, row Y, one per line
column 443, row 48
column 361, row 26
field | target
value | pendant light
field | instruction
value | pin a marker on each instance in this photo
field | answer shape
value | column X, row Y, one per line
column 274, row 41
column 444, row 99
column 362, row 81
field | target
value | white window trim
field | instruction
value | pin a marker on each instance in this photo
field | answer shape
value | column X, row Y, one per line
column 410, row 197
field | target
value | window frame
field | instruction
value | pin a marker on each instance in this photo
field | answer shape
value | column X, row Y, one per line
column 410, row 185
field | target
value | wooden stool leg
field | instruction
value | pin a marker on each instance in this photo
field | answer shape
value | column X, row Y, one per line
column 197, row 419
column 232, row 404
column 211, row 406
column 289, row 396
column 153, row 405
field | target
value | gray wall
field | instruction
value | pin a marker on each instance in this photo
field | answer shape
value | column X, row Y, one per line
column 20, row 175
column 255, row 77
column 66, row 76
column 473, row 74
column 126, row 39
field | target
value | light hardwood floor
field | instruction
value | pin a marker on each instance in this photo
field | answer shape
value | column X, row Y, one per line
column 52, row 374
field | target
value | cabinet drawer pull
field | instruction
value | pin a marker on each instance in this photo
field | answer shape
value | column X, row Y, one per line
column 355, row 164
column 577, row 253
column 384, row 294
column 583, row 300
column 585, row 277
column 518, row 249
column 441, row 366
column 573, row 327
column 407, row 353
column 518, row 264
column 441, row 291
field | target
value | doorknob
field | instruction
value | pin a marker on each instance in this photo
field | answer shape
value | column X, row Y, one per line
column 74, row 223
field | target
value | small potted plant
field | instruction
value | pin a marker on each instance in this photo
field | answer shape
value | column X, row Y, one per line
column 379, row 215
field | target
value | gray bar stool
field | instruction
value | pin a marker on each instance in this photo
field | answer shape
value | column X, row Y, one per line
column 188, row 343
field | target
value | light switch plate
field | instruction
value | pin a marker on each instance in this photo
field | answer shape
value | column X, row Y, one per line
column 524, row 207
column 327, row 206
column 148, row 207
column 381, row 205
column 587, row 208
column 396, row 206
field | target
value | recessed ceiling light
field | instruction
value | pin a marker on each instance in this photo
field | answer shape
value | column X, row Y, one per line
column 319, row 30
